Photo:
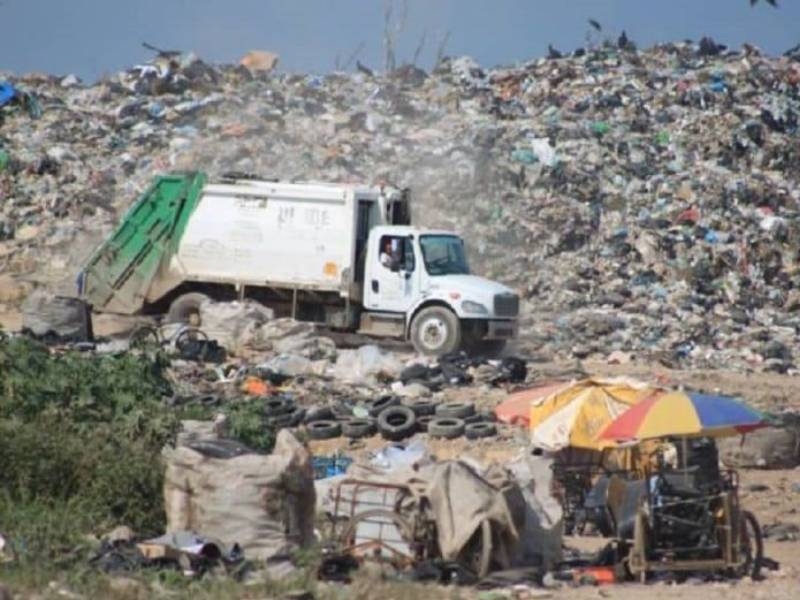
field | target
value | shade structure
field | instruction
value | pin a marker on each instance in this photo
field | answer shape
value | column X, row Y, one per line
column 682, row 414
column 574, row 415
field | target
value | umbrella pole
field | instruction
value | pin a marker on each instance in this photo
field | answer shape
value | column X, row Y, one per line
column 685, row 443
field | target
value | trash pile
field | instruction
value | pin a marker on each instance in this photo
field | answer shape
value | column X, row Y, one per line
column 644, row 202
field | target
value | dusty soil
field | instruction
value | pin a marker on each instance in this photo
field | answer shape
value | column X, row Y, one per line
column 771, row 495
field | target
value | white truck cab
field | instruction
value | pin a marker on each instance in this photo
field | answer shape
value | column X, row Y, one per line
column 421, row 278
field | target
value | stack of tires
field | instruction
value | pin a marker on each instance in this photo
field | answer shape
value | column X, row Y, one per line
column 387, row 416
column 396, row 421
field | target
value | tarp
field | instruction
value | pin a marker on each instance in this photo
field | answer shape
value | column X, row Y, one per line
column 541, row 539
column 575, row 414
column 265, row 503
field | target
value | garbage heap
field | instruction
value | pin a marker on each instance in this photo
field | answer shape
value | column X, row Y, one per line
column 643, row 202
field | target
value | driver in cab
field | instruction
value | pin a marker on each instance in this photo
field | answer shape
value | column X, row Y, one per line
column 388, row 256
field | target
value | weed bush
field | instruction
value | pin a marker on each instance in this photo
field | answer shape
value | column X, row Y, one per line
column 80, row 435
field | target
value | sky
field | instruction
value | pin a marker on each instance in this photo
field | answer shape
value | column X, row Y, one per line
column 91, row 38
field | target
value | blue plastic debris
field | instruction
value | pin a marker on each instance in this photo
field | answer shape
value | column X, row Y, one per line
column 330, row 466
column 7, row 92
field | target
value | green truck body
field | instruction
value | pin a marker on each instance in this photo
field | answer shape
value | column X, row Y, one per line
column 118, row 275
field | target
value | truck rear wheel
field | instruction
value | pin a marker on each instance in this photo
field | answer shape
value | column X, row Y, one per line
column 435, row 331
column 186, row 309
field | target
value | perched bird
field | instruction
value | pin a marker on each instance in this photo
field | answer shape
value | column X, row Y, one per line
column 364, row 69
column 552, row 53
column 595, row 24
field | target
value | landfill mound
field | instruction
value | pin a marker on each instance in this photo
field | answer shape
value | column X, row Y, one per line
column 643, row 202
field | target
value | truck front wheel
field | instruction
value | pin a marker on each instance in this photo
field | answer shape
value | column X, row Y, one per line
column 435, row 331
column 186, row 309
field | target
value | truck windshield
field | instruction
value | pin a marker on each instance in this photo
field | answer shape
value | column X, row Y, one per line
column 443, row 255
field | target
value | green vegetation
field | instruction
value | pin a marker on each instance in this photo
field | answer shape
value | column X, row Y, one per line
column 81, row 437
column 80, row 440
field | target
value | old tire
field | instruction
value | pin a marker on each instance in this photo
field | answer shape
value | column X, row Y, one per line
column 186, row 308
column 278, row 405
column 292, row 418
column 397, row 423
column 435, row 331
column 358, row 428
column 476, row 431
column 423, row 422
column 376, row 407
column 319, row 413
column 422, row 408
column 324, row 430
column 486, row 348
column 448, row 428
column 458, row 410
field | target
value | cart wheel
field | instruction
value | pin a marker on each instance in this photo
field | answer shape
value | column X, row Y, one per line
column 145, row 338
column 189, row 336
column 751, row 544
column 477, row 554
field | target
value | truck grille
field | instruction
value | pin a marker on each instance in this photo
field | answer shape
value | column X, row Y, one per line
column 506, row 305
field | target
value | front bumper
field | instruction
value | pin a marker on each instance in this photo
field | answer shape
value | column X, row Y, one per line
column 501, row 329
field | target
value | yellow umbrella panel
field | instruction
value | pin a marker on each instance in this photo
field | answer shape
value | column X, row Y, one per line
column 575, row 415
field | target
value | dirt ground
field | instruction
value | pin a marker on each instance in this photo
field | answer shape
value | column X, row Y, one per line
column 774, row 496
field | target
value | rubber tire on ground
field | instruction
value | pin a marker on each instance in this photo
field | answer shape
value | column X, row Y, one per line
column 476, row 418
column 376, row 406
column 183, row 307
column 434, row 316
column 319, row 413
column 297, row 416
column 423, row 408
column 475, row 431
column 289, row 419
column 278, row 405
column 423, row 422
column 448, row 428
column 486, row 348
column 397, row 423
column 358, row 428
column 458, row 410
column 324, row 430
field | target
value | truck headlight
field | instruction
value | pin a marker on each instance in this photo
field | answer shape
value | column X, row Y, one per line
column 474, row 308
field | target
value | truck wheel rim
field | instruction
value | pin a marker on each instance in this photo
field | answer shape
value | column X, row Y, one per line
column 434, row 333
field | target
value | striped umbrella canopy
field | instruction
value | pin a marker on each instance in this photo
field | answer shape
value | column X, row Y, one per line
column 682, row 414
column 574, row 414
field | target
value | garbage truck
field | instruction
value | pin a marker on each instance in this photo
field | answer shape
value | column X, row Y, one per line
column 343, row 255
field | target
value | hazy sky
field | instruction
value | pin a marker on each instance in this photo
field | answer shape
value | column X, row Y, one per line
column 92, row 37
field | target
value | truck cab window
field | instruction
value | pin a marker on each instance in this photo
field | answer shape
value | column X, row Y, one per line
column 396, row 253
column 443, row 255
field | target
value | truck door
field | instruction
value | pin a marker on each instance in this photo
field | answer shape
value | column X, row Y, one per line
column 391, row 274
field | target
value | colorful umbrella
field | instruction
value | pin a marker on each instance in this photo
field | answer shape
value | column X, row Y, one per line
column 573, row 415
column 681, row 414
